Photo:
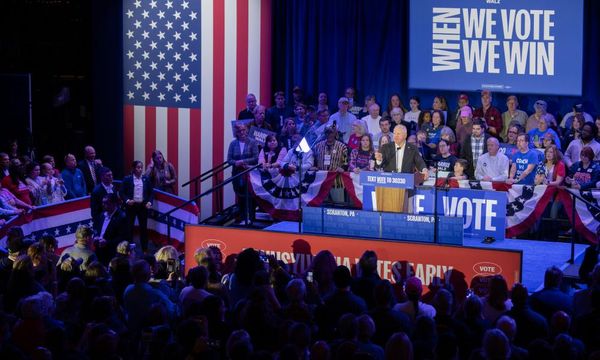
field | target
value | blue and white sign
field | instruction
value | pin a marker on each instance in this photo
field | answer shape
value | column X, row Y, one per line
column 483, row 212
column 372, row 179
column 515, row 46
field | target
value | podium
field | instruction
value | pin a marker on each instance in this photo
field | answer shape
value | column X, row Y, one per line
column 390, row 190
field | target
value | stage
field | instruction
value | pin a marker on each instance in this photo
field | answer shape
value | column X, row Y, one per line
column 537, row 255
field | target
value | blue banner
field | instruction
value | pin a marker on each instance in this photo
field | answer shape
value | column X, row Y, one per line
column 387, row 179
column 483, row 212
column 392, row 226
column 514, row 46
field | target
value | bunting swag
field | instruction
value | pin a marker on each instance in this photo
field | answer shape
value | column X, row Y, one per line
column 587, row 218
column 277, row 193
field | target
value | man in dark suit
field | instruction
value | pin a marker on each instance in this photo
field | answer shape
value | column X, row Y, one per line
column 136, row 192
column 400, row 156
column 111, row 230
column 248, row 112
column 105, row 186
column 90, row 166
column 474, row 146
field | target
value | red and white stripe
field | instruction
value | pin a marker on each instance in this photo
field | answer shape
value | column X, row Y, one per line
column 236, row 60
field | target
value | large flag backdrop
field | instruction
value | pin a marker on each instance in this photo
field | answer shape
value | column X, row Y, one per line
column 188, row 66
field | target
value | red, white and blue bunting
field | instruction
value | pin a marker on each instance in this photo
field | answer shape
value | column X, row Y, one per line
column 276, row 193
column 61, row 220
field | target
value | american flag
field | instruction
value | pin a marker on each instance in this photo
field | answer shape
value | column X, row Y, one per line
column 187, row 67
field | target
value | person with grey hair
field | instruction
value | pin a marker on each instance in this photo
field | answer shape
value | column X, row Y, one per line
column 81, row 251
column 540, row 108
column 372, row 119
column 493, row 165
column 513, row 115
column 508, row 326
column 248, row 112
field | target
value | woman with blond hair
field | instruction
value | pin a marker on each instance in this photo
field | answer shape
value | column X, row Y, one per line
column 162, row 173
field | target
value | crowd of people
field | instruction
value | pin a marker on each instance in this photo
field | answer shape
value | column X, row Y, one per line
column 83, row 305
column 509, row 146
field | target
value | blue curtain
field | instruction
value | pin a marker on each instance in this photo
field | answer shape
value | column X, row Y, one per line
column 329, row 45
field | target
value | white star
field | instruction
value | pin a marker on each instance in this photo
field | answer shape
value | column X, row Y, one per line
column 169, row 87
column 145, row 55
column 91, row 224
column 130, row 34
column 161, row 97
column 130, row 54
column 68, row 229
column 130, row 75
column 161, row 14
column 161, row 76
column 161, row 55
column 177, row 98
column 146, row 96
column 138, row 85
column 137, row 24
column 193, row 78
column 138, row 44
column 177, row 56
column 169, row 4
column 56, row 232
column 177, row 77
column 185, row 4
column 169, row 66
column 137, row 3
column 137, row 65
column 153, row 24
column 146, row 76
column 129, row 14
column 145, row 34
column 153, row 86
column 177, row 35
column 193, row 15
column 193, row 36
column 185, row 25
column 185, row 46
column 169, row 25
column 193, row 57
column 153, row 45
column 169, row 45
column 145, row 14
column 161, row 35
column 153, row 4
column 177, row 15
column 193, row 98
column 153, row 65
column 185, row 67
column 185, row 88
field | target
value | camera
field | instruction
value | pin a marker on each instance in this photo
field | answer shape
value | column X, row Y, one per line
column 171, row 265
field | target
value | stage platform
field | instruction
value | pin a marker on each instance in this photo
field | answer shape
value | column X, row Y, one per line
column 537, row 255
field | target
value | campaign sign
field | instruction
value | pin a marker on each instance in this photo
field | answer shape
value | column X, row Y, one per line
column 259, row 135
column 483, row 212
column 515, row 46
column 372, row 179
column 508, row 149
column 348, row 222
column 421, row 228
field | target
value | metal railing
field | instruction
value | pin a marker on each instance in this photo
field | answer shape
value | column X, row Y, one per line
column 209, row 191
column 212, row 173
column 573, row 213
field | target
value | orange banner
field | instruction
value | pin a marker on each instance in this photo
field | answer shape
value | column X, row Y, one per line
column 426, row 261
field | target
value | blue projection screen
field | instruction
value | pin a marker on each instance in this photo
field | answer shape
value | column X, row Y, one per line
column 516, row 46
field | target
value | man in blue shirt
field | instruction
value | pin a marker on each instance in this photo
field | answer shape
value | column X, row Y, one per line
column 524, row 161
column 73, row 178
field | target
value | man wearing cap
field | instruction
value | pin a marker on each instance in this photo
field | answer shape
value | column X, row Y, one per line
column 277, row 114
column 512, row 116
column 463, row 100
column 248, row 112
column 332, row 155
column 343, row 119
column 540, row 107
column 492, row 116
column 568, row 118
column 400, row 156
column 413, row 307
